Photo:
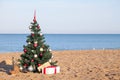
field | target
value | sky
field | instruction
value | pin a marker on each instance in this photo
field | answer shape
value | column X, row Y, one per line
column 61, row 16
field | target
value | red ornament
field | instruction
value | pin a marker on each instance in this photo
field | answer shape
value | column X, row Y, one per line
column 25, row 65
column 38, row 27
column 32, row 60
column 39, row 65
column 41, row 54
column 35, row 44
column 25, row 50
column 32, row 35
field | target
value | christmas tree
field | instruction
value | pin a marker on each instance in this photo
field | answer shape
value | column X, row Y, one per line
column 36, row 52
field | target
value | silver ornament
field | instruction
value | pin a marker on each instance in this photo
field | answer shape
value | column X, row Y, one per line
column 35, row 56
column 30, row 68
column 30, row 27
column 41, row 34
column 32, row 50
column 50, row 60
column 50, row 50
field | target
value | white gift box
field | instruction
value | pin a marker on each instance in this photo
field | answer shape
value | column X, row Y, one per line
column 51, row 70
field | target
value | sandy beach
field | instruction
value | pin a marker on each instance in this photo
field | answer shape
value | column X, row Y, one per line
column 75, row 65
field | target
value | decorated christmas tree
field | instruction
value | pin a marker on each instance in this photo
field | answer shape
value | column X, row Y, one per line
column 36, row 52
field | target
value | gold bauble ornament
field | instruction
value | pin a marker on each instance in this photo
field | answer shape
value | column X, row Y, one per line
column 41, row 49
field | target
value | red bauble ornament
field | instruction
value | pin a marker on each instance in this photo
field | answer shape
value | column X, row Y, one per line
column 25, row 50
column 39, row 65
column 32, row 34
column 25, row 65
column 41, row 54
column 32, row 60
column 35, row 44
column 38, row 27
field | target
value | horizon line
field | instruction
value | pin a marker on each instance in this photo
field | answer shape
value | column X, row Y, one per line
column 62, row 33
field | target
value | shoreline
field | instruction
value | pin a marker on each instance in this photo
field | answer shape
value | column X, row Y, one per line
column 69, row 50
column 74, row 64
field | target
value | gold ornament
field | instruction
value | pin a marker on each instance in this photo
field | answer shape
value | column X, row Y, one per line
column 21, row 68
column 29, row 42
column 35, row 42
column 41, row 49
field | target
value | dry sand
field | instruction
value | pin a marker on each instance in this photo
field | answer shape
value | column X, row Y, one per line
column 75, row 65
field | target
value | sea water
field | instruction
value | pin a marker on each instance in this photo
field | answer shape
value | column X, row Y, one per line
column 15, row 42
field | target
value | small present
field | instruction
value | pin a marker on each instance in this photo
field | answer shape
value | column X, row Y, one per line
column 43, row 66
column 51, row 70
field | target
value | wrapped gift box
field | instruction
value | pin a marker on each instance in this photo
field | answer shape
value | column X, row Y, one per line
column 51, row 70
column 43, row 66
